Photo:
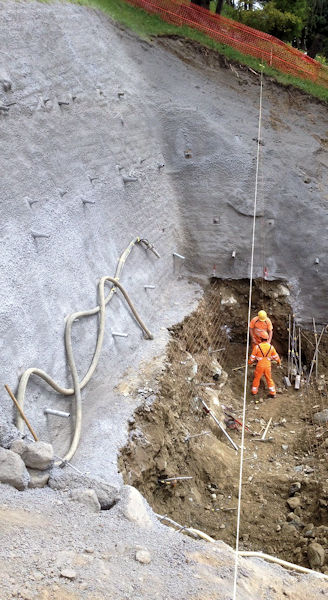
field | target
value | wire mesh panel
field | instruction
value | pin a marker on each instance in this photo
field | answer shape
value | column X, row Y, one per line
column 199, row 349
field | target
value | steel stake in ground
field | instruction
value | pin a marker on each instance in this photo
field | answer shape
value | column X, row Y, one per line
column 298, row 376
column 196, row 435
column 21, row 412
column 211, row 413
column 315, row 355
column 316, row 348
column 266, row 429
column 287, row 379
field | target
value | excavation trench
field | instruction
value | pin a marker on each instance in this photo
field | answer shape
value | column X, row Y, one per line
column 172, row 436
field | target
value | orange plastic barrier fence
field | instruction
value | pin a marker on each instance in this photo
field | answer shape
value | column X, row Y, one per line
column 245, row 39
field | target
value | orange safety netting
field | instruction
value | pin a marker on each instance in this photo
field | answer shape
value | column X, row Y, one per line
column 232, row 33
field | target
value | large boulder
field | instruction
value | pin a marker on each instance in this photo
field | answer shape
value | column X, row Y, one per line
column 67, row 480
column 12, row 470
column 134, row 507
column 37, row 455
column 316, row 555
column 38, row 479
column 19, row 446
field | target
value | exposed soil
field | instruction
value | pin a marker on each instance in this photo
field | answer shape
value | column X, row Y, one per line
column 195, row 54
column 159, row 447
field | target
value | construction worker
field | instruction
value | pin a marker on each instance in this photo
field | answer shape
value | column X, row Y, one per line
column 258, row 324
column 263, row 353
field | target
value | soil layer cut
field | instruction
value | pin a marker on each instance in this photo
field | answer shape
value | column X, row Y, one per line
column 284, row 491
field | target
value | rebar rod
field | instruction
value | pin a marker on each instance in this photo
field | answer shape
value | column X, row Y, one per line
column 21, row 412
column 211, row 413
column 266, row 429
column 316, row 348
column 178, row 478
column 316, row 352
column 195, row 435
column 57, row 413
column 288, row 358
column 299, row 350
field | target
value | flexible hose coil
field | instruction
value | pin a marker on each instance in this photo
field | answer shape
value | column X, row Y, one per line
column 79, row 385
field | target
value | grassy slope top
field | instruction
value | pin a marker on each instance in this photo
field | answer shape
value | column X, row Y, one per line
column 147, row 25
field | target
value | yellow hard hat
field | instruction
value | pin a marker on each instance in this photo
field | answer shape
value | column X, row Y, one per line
column 262, row 315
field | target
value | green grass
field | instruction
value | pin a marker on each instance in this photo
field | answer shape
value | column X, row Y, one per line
column 147, row 25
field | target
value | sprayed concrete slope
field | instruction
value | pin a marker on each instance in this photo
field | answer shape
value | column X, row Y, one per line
column 70, row 135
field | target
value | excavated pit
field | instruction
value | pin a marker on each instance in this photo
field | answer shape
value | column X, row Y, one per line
column 208, row 347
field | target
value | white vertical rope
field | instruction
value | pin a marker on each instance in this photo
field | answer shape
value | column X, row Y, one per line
column 247, row 345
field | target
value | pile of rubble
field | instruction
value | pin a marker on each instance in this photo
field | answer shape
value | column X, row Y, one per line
column 310, row 540
column 26, row 464
column 31, row 465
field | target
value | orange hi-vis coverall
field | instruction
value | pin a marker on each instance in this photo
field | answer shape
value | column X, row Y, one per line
column 256, row 326
column 263, row 353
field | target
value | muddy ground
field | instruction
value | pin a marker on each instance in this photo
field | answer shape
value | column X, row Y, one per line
column 160, row 447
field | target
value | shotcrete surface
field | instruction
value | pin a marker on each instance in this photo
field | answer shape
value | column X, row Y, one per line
column 68, row 140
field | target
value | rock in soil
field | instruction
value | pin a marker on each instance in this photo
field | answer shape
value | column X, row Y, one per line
column 87, row 497
column 143, row 556
column 38, row 479
column 294, row 487
column 68, row 573
column 37, row 455
column 65, row 479
column 18, row 446
column 316, row 555
column 309, row 529
column 134, row 507
column 12, row 470
column 294, row 502
column 321, row 417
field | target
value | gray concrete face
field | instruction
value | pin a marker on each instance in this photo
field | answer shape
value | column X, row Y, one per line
column 68, row 139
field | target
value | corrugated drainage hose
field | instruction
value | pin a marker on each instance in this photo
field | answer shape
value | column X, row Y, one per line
column 79, row 385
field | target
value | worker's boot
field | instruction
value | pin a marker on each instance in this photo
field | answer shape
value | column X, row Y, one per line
column 272, row 391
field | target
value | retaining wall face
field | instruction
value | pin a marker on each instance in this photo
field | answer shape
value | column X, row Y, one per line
column 65, row 136
column 55, row 156
column 215, row 187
